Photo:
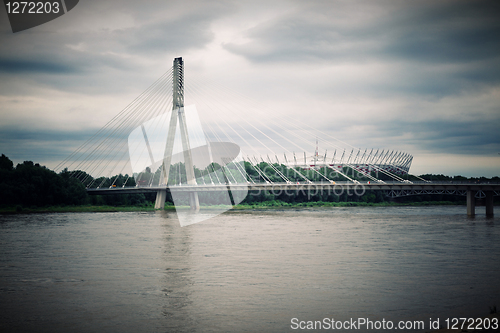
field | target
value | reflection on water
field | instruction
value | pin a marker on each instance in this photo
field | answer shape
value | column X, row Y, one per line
column 244, row 271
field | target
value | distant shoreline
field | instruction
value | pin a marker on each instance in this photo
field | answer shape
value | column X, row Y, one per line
column 266, row 205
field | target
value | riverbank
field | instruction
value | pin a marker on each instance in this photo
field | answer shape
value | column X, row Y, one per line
column 77, row 209
column 260, row 205
column 280, row 204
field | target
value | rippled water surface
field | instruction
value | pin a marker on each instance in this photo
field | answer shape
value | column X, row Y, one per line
column 246, row 271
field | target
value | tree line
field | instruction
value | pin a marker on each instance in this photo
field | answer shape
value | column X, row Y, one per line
column 31, row 185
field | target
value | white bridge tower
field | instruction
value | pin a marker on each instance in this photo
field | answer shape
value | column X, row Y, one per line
column 178, row 115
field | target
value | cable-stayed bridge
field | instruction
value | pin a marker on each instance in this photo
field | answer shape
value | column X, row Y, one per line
column 160, row 143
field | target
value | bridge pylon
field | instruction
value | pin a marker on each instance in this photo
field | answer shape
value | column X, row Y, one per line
column 178, row 115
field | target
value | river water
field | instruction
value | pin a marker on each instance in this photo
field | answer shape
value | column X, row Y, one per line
column 245, row 271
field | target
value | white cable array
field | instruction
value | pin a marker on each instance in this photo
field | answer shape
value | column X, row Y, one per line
column 97, row 153
column 294, row 133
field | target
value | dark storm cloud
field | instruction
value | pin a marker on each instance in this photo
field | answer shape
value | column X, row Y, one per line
column 479, row 137
column 7, row 134
column 421, row 35
column 91, row 53
column 16, row 66
column 38, row 145
column 164, row 37
column 41, row 145
column 450, row 31
column 444, row 32
column 434, row 80
column 429, row 48
column 187, row 31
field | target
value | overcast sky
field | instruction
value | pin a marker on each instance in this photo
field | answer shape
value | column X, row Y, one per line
column 421, row 77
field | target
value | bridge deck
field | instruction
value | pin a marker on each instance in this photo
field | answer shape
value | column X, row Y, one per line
column 318, row 186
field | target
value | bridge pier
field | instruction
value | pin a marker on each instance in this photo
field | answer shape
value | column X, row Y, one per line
column 471, row 203
column 161, row 196
column 194, row 202
column 489, row 203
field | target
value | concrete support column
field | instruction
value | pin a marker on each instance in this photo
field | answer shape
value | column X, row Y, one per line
column 489, row 203
column 161, row 196
column 194, row 202
column 471, row 203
